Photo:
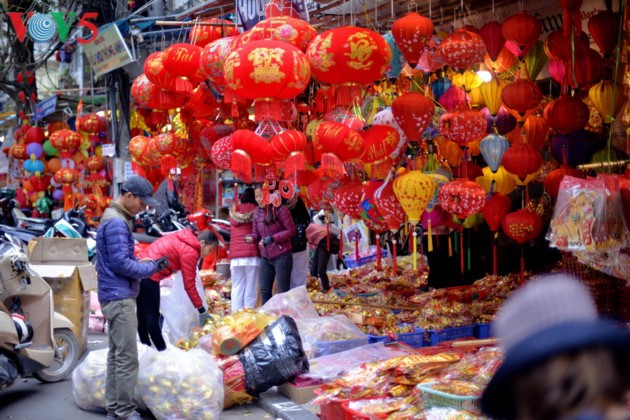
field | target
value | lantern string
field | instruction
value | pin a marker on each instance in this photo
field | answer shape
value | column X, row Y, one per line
column 430, row 10
column 618, row 53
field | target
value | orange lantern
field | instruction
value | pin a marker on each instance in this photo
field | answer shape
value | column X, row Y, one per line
column 503, row 62
column 463, row 49
column 523, row 29
column 289, row 146
column 202, row 103
column 66, row 177
column 348, row 57
column 388, row 206
column 411, row 33
column 337, row 143
column 267, row 71
column 604, row 27
column 56, row 125
column 66, row 141
column 201, row 35
column 221, row 152
column 462, row 198
column 53, row 165
column 567, row 113
column 536, row 131
column 138, row 149
column 182, row 60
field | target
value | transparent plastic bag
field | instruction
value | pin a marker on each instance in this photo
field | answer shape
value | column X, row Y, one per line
column 177, row 384
column 180, row 316
column 295, row 303
column 319, row 333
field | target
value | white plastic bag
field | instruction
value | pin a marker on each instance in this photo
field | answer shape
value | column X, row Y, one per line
column 295, row 303
column 180, row 316
column 329, row 334
column 177, row 384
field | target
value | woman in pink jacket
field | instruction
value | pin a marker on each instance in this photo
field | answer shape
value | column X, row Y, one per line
column 244, row 256
column 272, row 231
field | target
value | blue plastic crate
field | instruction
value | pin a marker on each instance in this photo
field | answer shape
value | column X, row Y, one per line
column 482, row 330
column 324, row 348
column 352, row 263
column 434, row 337
column 380, row 339
column 412, row 339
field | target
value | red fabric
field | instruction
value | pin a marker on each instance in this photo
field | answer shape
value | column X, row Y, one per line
column 210, row 262
column 239, row 228
column 183, row 251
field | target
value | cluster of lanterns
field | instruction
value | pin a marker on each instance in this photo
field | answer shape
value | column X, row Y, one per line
column 392, row 158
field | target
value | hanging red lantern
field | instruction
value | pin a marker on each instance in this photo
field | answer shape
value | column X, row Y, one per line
column 221, row 152
column 268, row 71
column 554, row 178
column 315, row 193
column 94, row 164
column 337, row 143
column 202, row 103
column 248, row 148
column 413, row 112
column 347, row 199
column 463, row 126
column 138, row 149
column 289, row 146
column 182, row 61
column 604, row 28
column 56, row 125
column 493, row 38
column 411, row 33
column 379, row 141
column 291, row 30
column 18, row 151
column 156, row 72
column 462, row 198
column 536, row 131
column 495, row 209
column 149, row 95
column 388, row 205
column 35, row 135
column 66, row 141
column 463, row 49
column 504, row 61
column 66, row 177
column 562, row 46
column 212, row 60
column 521, row 96
column 566, row 114
column 521, row 159
column 523, row 29
column 522, row 225
column 201, row 35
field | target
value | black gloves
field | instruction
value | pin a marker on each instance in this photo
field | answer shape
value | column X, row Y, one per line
column 162, row 263
column 267, row 240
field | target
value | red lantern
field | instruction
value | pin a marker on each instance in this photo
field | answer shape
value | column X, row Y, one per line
column 411, row 33
column 138, row 147
column 315, row 193
column 66, row 177
column 283, row 28
column 462, row 198
column 56, row 125
column 94, row 164
column 388, row 205
column 521, row 96
column 588, row 69
column 463, row 126
column 182, row 61
column 35, row 135
column 379, row 141
column 289, row 146
column 347, row 199
column 521, row 159
column 201, row 35
column 567, row 113
column 554, row 178
column 26, row 76
column 66, row 141
column 522, row 29
column 561, row 46
column 522, row 225
column 493, row 38
column 18, row 151
column 604, row 28
column 248, row 148
column 156, row 72
column 91, row 123
column 212, row 59
column 413, row 112
column 221, row 152
column 150, row 95
column 202, row 103
column 463, row 49
column 504, row 61
column 495, row 208
column 337, row 143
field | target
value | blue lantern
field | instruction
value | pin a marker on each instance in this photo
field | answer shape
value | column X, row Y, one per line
column 440, row 86
column 398, row 60
column 493, row 147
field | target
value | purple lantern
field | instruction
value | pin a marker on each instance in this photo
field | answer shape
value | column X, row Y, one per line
column 580, row 146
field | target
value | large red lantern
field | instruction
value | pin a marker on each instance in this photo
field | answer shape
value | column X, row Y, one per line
column 463, row 49
column 201, row 35
column 347, row 199
column 267, row 71
column 463, row 126
column 379, row 141
column 494, row 210
column 66, row 141
column 554, row 178
column 202, row 103
column 156, row 72
column 150, row 95
column 221, row 152
column 522, row 29
column 337, row 143
column 66, row 177
column 521, row 159
column 411, row 33
column 522, row 225
column 182, row 60
column 248, row 148
column 138, row 149
column 493, row 38
column 289, row 146
column 462, row 198
column 521, row 96
column 35, row 135
column 413, row 112
column 316, row 195
column 604, row 28
column 567, row 113
column 283, row 28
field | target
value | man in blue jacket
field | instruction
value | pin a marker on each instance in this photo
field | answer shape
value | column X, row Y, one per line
column 119, row 274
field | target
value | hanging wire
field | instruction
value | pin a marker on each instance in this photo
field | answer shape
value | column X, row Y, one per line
column 412, row 4
column 618, row 53
column 430, row 10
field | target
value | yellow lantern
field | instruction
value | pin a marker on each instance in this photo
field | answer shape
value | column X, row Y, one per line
column 491, row 93
column 467, row 80
column 504, row 182
column 608, row 98
column 476, row 99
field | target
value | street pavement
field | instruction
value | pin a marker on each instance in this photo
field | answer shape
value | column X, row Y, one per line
column 28, row 399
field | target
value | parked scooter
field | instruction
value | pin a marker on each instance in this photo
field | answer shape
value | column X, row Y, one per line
column 34, row 339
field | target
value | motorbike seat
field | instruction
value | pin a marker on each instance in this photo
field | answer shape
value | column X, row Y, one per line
column 36, row 221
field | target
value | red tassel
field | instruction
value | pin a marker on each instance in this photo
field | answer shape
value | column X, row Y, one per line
column 138, row 169
column 241, row 166
column 295, row 162
column 332, row 165
column 167, row 163
column 348, row 94
column 183, row 85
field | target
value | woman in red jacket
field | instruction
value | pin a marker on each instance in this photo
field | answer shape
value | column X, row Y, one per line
column 244, row 257
column 183, row 250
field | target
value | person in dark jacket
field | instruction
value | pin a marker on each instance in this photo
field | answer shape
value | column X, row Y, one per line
column 244, row 256
column 119, row 274
column 167, row 194
column 183, row 250
column 299, row 243
column 272, row 230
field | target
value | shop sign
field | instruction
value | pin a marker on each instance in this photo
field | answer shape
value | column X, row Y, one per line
column 43, row 27
column 250, row 12
column 108, row 51
column 45, row 108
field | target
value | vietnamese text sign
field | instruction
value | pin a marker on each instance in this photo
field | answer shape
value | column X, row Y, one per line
column 45, row 108
column 108, row 51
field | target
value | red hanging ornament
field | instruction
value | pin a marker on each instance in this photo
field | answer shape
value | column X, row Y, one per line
column 411, row 33
column 462, row 198
column 521, row 96
column 413, row 112
column 221, row 152
column 604, row 28
column 566, row 114
column 388, row 205
column 66, row 141
column 523, row 29
column 337, row 143
column 521, row 159
column 380, row 141
column 201, row 35
column 463, row 49
column 182, row 60
column 248, row 148
column 463, row 125
column 347, row 199
column 493, row 38
column 289, row 146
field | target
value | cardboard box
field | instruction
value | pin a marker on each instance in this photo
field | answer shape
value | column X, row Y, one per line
column 63, row 263
column 299, row 395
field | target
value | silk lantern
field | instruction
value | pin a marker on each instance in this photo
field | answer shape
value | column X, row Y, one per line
column 523, row 29
column 316, row 195
column 388, row 205
column 434, row 202
column 66, row 177
column 201, row 35
column 157, row 74
column 504, row 62
column 182, row 60
column 289, row 146
column 567, row 113
column 491, row 34
column 337, row 143
column 411, row 33
column 413, row 111
column 66, row 141
column 494, row 210
column 463, row 126
column 221, row 152
column 291, row 30
column 535, row 60
column 150, row 95
column 347, row 199
column 521, row 96
column 522, row 226
column 521, row 159
column 604, row 28
column 267, row 71
column 379, row 141
column 608, row 98
column 536, row 130
column 431, row 59
column 491, row 92
column 493, row 147
column 463, row 49
column 212, row 59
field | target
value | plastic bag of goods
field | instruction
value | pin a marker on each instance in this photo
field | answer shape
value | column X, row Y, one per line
column 329, row 334
column 233, row 381
column 88, row 381
column 238, row 330
column 177, row 384
column 295, row 303
column 274, row 357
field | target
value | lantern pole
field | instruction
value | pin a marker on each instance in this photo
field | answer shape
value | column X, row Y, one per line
column 378, row 252
column 495, row 270
column 394, row 264
column 415, row 249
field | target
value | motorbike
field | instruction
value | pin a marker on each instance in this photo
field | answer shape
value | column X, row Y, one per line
column 34, row 339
